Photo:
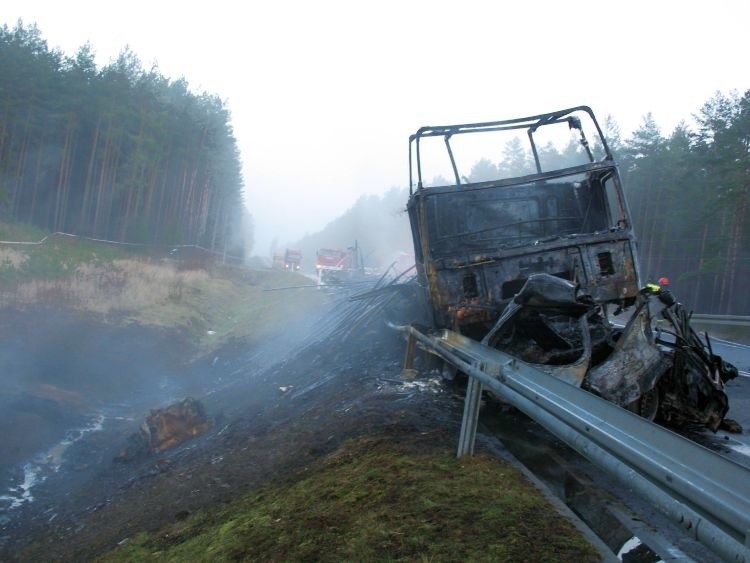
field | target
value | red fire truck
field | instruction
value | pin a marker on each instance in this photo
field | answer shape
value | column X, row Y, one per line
column 336, row 266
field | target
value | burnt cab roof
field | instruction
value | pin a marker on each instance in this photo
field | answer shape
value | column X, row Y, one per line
column 437, row 151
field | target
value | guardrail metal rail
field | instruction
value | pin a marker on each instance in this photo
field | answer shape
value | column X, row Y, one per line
column 705, row 492
column 734, row 320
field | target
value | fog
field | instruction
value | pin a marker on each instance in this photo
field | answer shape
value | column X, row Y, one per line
column 324, row 95
column 66, row 374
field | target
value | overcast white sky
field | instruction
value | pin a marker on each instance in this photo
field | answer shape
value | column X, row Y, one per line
column 324, row 94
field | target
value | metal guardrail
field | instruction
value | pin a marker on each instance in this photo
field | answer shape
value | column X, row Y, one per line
column 736, row 320
column 44, row 239
column 705, row 492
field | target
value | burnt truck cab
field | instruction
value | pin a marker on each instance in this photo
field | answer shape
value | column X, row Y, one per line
column 532, row 255
column 477, row 243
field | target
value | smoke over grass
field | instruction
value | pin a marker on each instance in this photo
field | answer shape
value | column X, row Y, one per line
column 123, row 286
column 207, row 301
column 12, row 259
column 378, row 224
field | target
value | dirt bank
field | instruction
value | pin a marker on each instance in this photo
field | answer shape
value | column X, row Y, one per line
column 268, row 421
column 60, row 366
column 278, row 407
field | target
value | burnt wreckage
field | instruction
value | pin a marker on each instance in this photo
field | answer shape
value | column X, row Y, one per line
column 536, row 259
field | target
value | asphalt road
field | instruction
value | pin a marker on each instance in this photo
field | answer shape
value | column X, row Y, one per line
column 738, row 391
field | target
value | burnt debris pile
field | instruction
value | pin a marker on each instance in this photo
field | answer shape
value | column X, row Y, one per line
column 167, row 427
column 540, row 260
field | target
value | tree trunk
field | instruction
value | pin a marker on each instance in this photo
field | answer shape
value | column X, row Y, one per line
column 735, row 245
column 37, row 173
column 719, row 280
column 83, row 226
column 701, row 261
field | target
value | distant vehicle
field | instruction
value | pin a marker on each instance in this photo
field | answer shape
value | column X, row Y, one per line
column 533, row 260
column 293, row 259
column 336, row 266
column 278, row 260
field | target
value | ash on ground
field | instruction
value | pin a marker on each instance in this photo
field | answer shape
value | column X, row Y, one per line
column 341, row 380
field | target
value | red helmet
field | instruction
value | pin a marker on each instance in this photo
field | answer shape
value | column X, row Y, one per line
column 664, row 280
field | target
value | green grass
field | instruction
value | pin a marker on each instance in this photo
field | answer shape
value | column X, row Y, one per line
column 235, row 304
column 209, row 303
column 21, row 232
column 57, row 258
column 375, row 501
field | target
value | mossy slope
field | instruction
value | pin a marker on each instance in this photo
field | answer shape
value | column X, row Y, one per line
column 376, row 501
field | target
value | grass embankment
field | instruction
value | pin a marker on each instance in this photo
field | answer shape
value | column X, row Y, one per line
column 210, row 302
column 56, row 258
column 374, row 500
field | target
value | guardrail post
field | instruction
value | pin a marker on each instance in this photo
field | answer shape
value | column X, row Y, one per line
column 411, row 347
column 472, row 403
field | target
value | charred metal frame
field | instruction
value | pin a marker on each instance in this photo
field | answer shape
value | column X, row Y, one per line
column 472, row 286
column 531, row 124
column 706, row 493
column 530, row 264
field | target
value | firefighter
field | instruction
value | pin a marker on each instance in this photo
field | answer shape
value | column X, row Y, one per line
column 661, row 291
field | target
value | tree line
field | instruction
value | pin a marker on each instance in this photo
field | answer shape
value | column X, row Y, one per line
column 378, row 225
column 688, row 195
column 687, row 192
column 119, row 152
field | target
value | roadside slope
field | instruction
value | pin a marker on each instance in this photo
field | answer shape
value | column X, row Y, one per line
column 318, row 451
column 208, row 302
column 381, row 497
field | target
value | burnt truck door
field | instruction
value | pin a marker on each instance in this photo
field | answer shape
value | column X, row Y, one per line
column 477, row 242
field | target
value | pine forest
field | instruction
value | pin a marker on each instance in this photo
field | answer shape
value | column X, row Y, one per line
column 117, row 153
column 125, row 154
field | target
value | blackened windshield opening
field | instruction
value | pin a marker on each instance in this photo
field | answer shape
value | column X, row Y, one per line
column 526, row 213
